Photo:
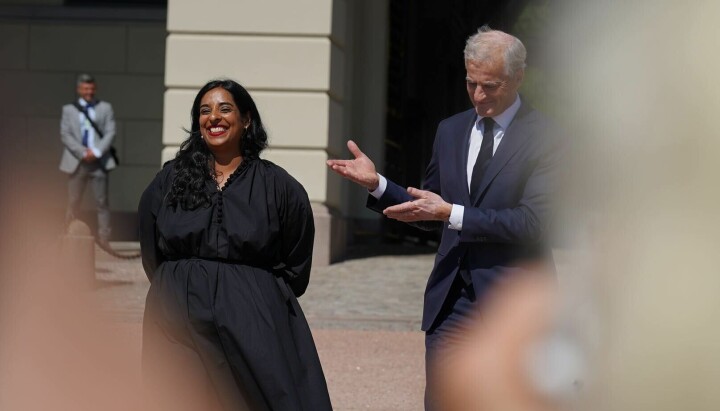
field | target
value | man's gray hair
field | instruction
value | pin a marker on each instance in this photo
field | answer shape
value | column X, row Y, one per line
column 487, row 43
column 85, row 78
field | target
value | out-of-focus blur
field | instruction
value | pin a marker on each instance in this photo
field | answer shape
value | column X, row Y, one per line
column 56, row 351
column 487, row 367
column 642, row 79
column 639, row 96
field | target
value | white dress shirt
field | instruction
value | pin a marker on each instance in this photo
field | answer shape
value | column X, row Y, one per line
column 502, row 122
column 85, row 125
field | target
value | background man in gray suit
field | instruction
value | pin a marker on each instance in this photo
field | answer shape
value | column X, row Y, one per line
column 87, row 154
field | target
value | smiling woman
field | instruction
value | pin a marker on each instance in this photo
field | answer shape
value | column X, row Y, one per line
column 210, row 157
column 227, row 244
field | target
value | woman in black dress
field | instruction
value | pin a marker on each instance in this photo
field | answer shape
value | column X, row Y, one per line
column 227, row 243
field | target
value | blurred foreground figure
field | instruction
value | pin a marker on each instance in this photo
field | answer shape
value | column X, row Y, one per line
column 515, row 353
column 57, row 352
column 486, row 369
column 646, row 95
column 641, row 94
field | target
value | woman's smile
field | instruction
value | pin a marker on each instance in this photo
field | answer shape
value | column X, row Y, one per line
column 217, row 131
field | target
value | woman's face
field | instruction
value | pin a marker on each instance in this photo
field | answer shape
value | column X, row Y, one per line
column 221, row 123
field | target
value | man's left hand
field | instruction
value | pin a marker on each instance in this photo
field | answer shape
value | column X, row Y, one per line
column 427, row 206
column 89, row 156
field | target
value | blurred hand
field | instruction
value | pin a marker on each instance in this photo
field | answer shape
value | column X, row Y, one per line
column 361, row 170
column 427, row 206
column 487, row 367
column 89, row 156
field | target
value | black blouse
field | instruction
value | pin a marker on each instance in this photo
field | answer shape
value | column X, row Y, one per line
column 261, row 217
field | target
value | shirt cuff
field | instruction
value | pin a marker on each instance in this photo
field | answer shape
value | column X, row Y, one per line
column 456, row 217
column 382, row 186
column 96, row 152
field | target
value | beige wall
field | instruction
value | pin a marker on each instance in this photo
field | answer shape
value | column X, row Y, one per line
column 293, row 63
column 301, row 62
column 316, row 71
column 39, row 61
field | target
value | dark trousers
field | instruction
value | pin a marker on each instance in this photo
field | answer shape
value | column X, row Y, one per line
column 448, row 328
column 98, row 178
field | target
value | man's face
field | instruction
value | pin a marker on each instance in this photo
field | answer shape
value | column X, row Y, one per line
column 491, row 91
column 86, row 91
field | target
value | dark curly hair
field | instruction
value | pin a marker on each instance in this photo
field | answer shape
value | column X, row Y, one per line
column 194, row 162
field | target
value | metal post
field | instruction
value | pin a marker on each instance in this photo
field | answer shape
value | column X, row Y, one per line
column 78, row 251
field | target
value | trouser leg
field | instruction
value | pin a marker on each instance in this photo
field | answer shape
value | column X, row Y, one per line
column 100, row 189
column 449, row 329
column 76, row 187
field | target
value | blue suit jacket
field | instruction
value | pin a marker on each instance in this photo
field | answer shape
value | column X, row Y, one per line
column 505, row 224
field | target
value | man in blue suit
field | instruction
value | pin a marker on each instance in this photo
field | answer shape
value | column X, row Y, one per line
column 489, row 185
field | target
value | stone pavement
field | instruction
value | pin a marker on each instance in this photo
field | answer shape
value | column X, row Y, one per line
column 364, row 292
column 364, row 312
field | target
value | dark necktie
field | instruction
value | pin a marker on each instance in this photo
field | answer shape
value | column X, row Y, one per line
column 86, row 131
column 484, row 156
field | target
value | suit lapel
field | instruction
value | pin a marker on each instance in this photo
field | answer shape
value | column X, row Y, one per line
column 77, row 124
column 99, row 114
column 515, row 137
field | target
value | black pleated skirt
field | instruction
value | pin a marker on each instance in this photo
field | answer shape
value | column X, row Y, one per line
column 228, row 336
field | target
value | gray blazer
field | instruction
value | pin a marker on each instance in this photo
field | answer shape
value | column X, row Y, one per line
column 71, row 136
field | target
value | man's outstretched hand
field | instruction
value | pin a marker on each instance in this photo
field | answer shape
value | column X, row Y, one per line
column 427, row 206
column 360, row 170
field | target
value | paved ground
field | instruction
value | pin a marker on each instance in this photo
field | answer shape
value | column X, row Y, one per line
column 364, row 313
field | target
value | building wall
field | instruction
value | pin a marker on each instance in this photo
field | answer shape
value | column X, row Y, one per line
column 288, row 61
column 42, row 49
column 292, row 62
column 317, row 71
